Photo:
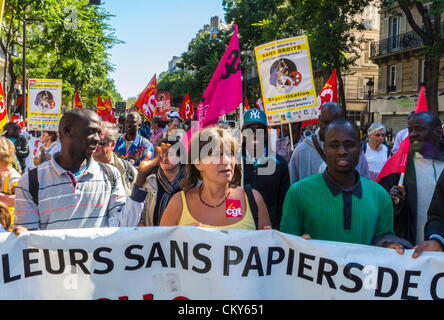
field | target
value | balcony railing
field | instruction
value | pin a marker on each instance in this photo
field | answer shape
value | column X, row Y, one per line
column 408, row 40
column 404, row 41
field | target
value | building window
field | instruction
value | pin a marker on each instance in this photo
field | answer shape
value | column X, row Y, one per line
column 392, row 79
column 394, row 25
column 354, row 116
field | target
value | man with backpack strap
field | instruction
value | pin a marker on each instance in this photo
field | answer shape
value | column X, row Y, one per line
column 104, row 154
column 74, row 190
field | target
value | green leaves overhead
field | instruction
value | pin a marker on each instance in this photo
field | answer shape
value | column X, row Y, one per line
column 66, row 39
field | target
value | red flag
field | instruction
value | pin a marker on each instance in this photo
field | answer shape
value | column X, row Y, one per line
column 17, row 118
column 398, row 162
column 148, row 99
column 260, row 104
column 100, row 108
column 422, row 101
column 108, row 115
column 77, row 101
column 328, row 94
column 186, row 109
column 105, row 110
column 246, row 105
column 3, row 111
column 100, row 103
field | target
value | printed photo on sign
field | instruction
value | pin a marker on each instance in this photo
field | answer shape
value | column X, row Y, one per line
column 45, row 101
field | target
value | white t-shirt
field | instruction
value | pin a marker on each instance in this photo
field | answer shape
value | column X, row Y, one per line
column 398, row 139
column 375, row 160
column 427, row 174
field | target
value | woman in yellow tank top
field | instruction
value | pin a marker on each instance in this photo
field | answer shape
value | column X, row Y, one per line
column 212, row 197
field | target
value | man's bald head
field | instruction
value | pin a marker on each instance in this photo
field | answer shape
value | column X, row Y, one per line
column 75, row 117
column 429, row 117
column 424, row 132
column 136, row 116
column 333, row 108
column 329, row 112
column 79, row 131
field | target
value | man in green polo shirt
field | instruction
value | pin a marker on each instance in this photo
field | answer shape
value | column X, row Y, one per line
column 339, row 205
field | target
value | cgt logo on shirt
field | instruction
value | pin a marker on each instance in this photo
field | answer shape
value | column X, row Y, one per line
column 233, row 209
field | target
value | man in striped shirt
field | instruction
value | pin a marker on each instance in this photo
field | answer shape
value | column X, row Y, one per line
column 75, row 191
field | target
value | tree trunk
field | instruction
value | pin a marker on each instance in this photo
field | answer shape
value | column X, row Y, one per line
column 11, row 88
column 8, row 60
column 341, row 90
column 431, row 74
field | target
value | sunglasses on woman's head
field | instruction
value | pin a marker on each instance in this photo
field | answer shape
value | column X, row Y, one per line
column 103, row 143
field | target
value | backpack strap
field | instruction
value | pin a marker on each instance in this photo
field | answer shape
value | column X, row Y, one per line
column 109, row 174
column 253, row 205
column 318, row 148
column 129, row 170
column 34, row 185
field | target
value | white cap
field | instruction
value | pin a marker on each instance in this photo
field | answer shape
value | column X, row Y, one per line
column 173, row 114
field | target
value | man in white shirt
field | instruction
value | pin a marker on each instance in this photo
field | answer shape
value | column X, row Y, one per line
column 401, row 135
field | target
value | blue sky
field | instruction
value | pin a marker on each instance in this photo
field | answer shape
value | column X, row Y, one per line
column 153, row 31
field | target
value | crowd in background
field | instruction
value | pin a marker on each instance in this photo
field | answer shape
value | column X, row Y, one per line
column 126, row 175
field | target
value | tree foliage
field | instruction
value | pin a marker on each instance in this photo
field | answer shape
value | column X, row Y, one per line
column 66, row 39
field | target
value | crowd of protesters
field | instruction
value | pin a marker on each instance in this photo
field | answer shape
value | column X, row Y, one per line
column 318, row 183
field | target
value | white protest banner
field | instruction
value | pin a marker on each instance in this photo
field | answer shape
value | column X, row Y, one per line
column 44, row 104
column 286, row 78
column 194, row 263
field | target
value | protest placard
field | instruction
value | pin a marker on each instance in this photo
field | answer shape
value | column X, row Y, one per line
column 44, row 104
column 287, row 82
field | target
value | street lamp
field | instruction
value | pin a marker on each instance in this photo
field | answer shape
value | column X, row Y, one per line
column 370, row 85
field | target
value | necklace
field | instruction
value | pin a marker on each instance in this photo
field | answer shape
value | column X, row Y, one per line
column 209, row 205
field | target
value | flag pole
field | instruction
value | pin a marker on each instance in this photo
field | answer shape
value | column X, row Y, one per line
column 291, row 136
column 241, row 124
column 400, row 184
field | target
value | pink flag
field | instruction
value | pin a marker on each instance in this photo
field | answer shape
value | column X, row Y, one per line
column 398, row 162
column 224, row 93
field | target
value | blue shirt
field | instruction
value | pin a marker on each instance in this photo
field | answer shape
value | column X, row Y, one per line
column 137, row 151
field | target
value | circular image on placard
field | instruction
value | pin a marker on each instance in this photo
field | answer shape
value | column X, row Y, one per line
column 45, row 100
column 284, row 75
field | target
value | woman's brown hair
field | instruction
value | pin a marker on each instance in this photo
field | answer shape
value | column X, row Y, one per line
column 216, row 137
